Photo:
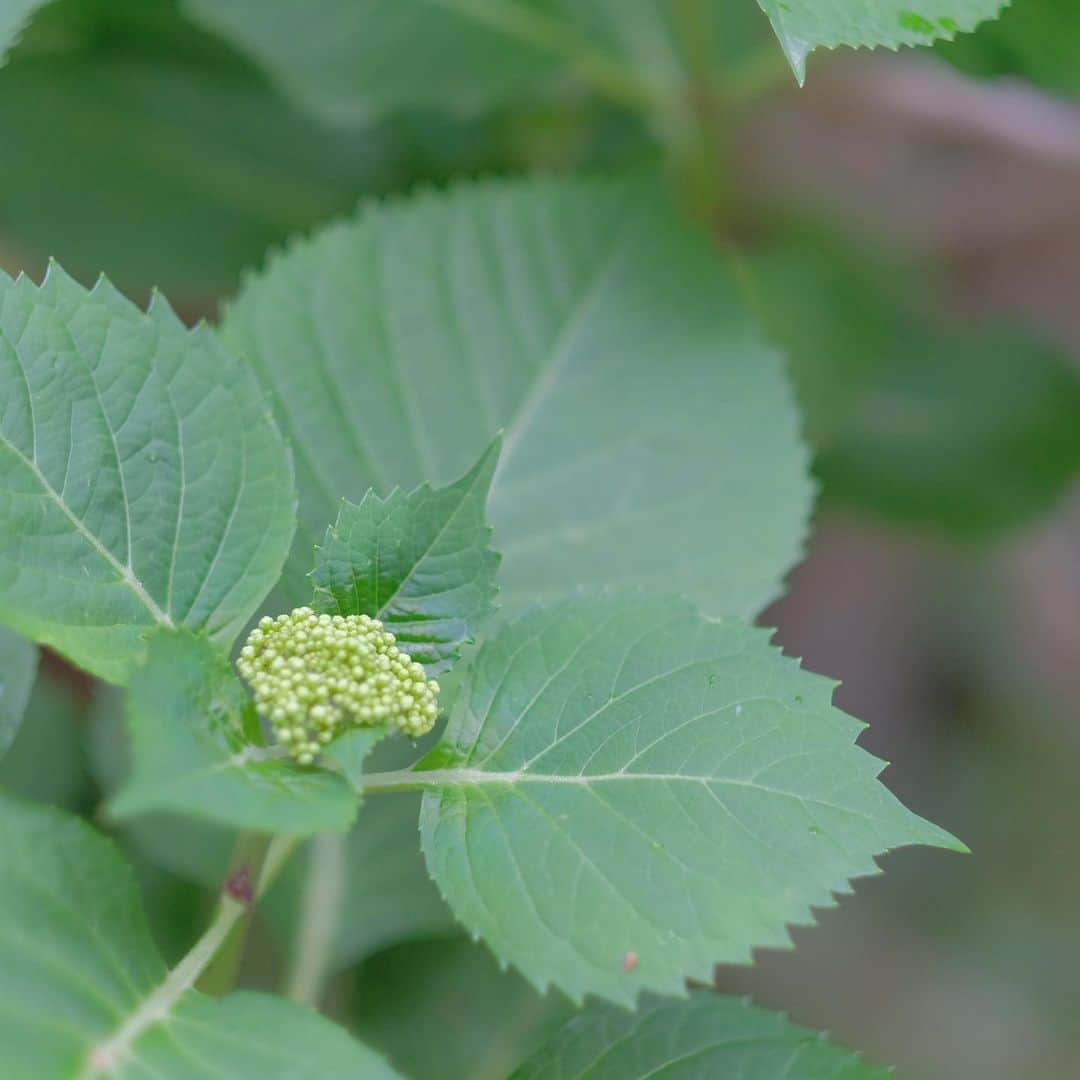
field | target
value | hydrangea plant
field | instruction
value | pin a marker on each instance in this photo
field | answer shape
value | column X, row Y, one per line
column 527, row 437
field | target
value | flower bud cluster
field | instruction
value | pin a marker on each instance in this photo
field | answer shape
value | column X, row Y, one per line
column 315, row 675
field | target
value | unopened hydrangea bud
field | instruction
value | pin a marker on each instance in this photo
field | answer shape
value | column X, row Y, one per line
column 313, row 676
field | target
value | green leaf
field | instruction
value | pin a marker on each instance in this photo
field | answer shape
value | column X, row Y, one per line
column 187, row 847
column 351, row 749
column 249, row 1034
column 78, row 968
column 186, row 710
column 14, row 15
column 1038, row 40
column 445, row 1009
column 628, row 793
column 215, row 160
column 46, row 762
column 917, row 419
column 419, row 562
column 142, row 481
column 703, row 1036
column 350, row 62
column 469, row 56
column 386, row 897
column 803, row 26
column 18, row 667
column 647, row 427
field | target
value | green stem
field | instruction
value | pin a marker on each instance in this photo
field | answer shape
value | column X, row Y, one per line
column 238, row 892
column 517, row 20
column 320, row 913
column 702, row 160
column 107, row 1056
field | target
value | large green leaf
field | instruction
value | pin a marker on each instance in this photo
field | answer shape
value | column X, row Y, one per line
column 419, row 562
column 916, row 418
column 143, row 482
column 18, row 666
column 186, row 713
column 13, row 17
column 706, row 1036
column 78, row 970
column 805, row 25
column 445, row 1009
column 650, row 435
column 627, row 793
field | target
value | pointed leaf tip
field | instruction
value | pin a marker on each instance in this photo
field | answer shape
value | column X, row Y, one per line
column 420, row 562
column 803, row 27
column 620, row 741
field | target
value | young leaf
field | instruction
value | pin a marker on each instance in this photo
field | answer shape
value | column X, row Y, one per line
column 647, row 426
column 14, row 15
column 18, row 666
column 419, row 562
column 705, row 1035
column 81, row 981
column 185, row 712
column 803, row 27
column 142, row 481
column 351, row 749
column 628, row 793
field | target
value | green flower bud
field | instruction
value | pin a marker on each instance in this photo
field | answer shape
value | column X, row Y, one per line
column 314, row 676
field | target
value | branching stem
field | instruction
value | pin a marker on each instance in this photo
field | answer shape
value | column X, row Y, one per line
column 106, row 1056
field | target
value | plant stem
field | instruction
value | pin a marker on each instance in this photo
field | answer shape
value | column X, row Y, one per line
column 607, row 76
column 246, row 864
column 320, row 913
column 702, row 159
column 108, row 1055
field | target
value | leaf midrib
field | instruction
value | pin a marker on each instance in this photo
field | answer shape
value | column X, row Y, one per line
column 562, row 348
column 408, row 779
column 125, row 573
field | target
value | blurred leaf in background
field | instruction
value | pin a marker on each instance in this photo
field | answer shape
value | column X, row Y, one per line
column 1038, row 40
column 18, row 667
column 133, row 142
column 45, row 762
column 446, row 1009
column 917, row 418
column 136, row 142
column 333, row 56
column 13, row 17
column 353, row 61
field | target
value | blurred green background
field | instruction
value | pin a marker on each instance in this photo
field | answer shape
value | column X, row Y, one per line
column 911, row 228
